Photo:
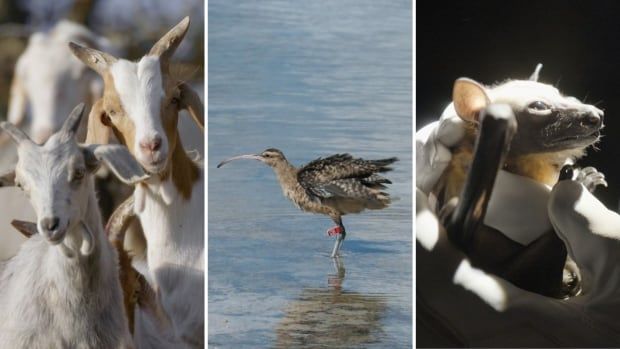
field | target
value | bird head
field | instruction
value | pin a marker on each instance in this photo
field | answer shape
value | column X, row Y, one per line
column 271, row 157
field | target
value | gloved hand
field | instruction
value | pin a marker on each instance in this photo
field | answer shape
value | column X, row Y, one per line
column 459, row 305
column 432, row 147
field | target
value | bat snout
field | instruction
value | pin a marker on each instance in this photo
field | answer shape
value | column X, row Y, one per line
column 591, row 120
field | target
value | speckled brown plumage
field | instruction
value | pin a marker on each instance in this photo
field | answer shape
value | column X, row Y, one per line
column 334, row 186
column 340, row 178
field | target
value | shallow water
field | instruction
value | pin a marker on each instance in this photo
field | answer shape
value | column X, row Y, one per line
column 312, row 79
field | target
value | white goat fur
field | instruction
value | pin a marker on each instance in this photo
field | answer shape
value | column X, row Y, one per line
column 43, row 74
column 47, row 82
column 50, row 300
column 172, row 222
column 173, row 226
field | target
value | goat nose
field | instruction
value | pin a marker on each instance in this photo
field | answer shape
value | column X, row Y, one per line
column 151, row 145
column 50, row 223
column 591, row 120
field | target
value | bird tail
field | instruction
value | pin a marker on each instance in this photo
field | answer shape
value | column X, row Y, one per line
column 376, row 180
column 383, row 164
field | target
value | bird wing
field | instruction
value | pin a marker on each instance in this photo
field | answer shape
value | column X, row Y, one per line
column 342, row 175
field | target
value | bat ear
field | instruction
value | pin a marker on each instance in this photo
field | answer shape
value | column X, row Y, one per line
column 469, row 98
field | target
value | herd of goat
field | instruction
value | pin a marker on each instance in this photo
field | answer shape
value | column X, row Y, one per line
column 91, row 136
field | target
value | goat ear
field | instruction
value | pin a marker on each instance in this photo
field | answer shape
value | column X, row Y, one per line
column 17, row 102
column 97, row 60
column 168, row 43
column 119, row 160
column 90, row 160
column 26, row 228
column 98, row 131
column 7, row 179
column 469, row 98
column 536, row 73
column 72, row 123
column 18, row 135
column 191, row 101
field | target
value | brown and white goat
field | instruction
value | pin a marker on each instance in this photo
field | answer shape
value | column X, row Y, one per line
column 140, row 105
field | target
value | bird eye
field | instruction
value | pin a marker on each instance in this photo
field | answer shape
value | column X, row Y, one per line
column 538, row 105
column 267, row 155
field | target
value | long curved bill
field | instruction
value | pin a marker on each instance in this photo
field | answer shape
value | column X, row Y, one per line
column 248, row 156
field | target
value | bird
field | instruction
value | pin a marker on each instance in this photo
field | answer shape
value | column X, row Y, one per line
column 334, row 186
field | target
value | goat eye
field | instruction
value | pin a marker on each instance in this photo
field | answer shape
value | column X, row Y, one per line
column 78, row 174
column 538, row 105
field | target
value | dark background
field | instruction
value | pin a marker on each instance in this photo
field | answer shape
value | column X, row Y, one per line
column 578, row 43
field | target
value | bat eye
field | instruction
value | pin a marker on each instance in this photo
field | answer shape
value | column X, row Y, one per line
column 538, row 105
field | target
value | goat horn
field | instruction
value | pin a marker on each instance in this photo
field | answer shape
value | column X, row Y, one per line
column 120, row 219
column 168, row 43
column 72, row 123
column 88, row 240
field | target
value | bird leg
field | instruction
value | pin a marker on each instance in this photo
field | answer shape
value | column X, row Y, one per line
column 341, row 234
column 336, row 230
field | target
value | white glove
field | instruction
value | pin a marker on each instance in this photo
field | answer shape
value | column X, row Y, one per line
column 432, row 148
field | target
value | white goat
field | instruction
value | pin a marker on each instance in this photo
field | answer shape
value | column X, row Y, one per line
column 140, row 105
column 39, row 102
column 62, row 289
column 42, row 76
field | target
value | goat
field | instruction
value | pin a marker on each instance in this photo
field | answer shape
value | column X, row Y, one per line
column 42, row 74
column 38, row 104
column 140, row 105
column 62, row 289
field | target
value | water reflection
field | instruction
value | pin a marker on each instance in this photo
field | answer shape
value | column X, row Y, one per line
column 331, row 317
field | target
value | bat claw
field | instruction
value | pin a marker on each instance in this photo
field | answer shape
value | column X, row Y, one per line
column 590, row 178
